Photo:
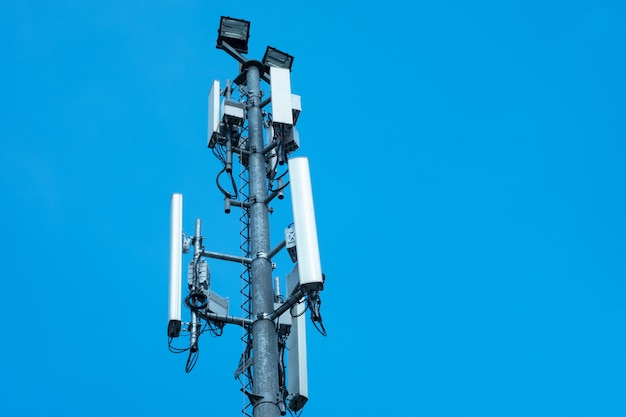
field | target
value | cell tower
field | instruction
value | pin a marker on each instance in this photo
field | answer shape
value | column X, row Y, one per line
column 261, row 135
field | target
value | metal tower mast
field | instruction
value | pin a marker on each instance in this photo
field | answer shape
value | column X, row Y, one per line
column 272, row 331
column 264, row 338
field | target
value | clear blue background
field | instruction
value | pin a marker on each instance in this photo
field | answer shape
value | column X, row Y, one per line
column 468, row 168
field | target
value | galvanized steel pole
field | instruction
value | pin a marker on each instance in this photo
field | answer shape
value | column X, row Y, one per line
column 265, row 386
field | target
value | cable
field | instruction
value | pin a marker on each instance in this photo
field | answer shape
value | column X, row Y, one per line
column 314, row 302
column 194, row 350
column 295, row 413
column 192, row 359
column 216, row 328
column 232, row 181
column 306, row 307
column 174, row 349
column 282, row 380
column 196, row 300
column 276, row 179
column 219, row 153
column 319, row 326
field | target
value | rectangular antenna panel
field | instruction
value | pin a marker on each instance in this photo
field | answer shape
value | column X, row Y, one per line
column 233, row 112
column 218, row 304
column 176, row 264
column 307, row 248
column 280, row 89
column 214, row 114
column 296, row 107
column 297, row 372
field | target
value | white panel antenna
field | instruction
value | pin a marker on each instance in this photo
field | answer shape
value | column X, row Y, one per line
column 176, row 263
column 214, row 114
column 280, row 89
column 307, row 248
column 297, row 372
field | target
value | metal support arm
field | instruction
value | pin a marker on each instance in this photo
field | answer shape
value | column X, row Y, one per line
column 277, row 249
column 247, row 323
column 270, row 147
column 224, row 257
column 291, row 301
column 237, row 203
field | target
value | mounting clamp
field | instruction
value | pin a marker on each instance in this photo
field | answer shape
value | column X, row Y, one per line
column 264, row 397
column 261, row 254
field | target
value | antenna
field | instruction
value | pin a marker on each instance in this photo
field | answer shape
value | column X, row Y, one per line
column 176, row 262
column 214, row 114
column 307, row 248
column 297, row 373
column 280, row 89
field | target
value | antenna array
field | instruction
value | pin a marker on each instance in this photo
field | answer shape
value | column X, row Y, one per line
column 262, row 135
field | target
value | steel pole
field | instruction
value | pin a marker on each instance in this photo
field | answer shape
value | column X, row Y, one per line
column 265, row 386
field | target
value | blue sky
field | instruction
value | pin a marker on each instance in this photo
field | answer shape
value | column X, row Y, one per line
column 468, row 167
